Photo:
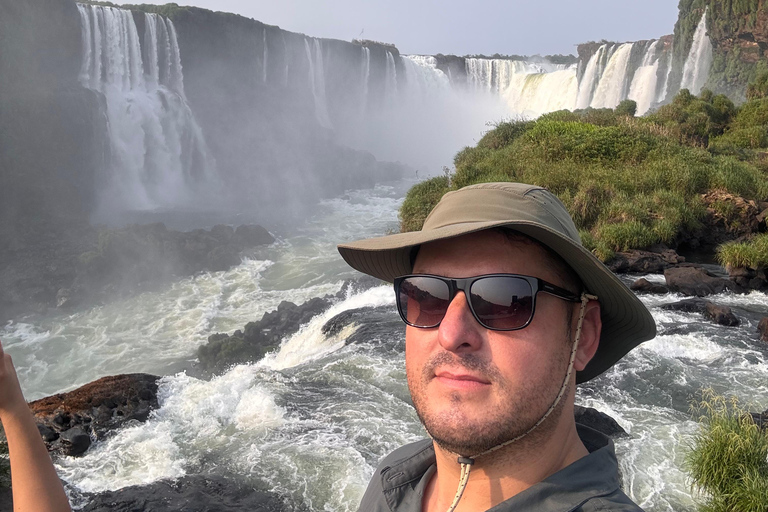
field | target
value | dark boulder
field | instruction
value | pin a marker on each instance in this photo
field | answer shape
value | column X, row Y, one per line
column 598, row 420
column 762, row 328
column 69, row 421
column 753, row 279
column 196, row 493
column 696, row 281
column 644, row 262
column 252, row 235
column 642, row 285
column 719, row 314
column 258, row 338
column 74, row 441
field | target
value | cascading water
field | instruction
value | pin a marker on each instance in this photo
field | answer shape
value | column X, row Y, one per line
column 643, row 87
column 390, row 84
column 264, row 56
column 365, row 76
column 317, row 81
column 611, row 87
column 699, row 61
column 158, row 154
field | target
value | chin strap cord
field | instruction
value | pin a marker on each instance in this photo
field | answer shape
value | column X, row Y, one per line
column 467, row 462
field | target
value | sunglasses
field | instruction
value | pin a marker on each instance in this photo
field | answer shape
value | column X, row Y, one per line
column 499, row 302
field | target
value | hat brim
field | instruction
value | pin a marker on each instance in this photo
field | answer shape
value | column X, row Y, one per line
column 626, row 321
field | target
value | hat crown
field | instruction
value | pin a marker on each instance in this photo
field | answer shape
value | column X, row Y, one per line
column 498, row 202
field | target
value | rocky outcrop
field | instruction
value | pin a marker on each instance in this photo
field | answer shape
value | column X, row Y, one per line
column 696, row 281
column 644, row 262
column 762, row 328
column 68, row 422
column 642, row 285
column 722, row 315
column 195, row 493
column 753, row 279
column 258, row 338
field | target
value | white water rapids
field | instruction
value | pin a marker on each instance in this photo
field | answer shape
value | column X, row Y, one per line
column 312, row 420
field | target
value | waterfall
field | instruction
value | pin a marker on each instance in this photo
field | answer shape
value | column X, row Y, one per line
column 422, row 76
column 264, row 56
column 610, row 88
column 530, row 95
column 158, row 154
column 643, row 87
column 696, row 67
column 365, row 77
column 591, row 77
column 390, row 84
column 317, row 81
column 496, row 75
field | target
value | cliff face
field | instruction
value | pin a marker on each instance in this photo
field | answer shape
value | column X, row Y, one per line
column 49, row 126
column 738, row 30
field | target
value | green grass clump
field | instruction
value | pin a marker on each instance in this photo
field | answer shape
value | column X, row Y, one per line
column 751, row 253
column 729, row 457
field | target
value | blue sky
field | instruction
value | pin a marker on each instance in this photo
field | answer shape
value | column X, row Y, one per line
column 523, row 27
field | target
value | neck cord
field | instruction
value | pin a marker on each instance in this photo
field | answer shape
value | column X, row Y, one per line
column 467, row 462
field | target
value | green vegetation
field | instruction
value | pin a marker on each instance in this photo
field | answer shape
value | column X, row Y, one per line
column 751, row 253
column 728, row 459
column 628, row 182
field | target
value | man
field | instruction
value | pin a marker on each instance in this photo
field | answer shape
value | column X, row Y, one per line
column 506, row 312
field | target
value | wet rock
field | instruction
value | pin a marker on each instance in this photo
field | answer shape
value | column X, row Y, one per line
column 752, row 279
column 642, row 285
column 598, row 420
column 222, row 258
column 336, row 324
column 74, row 442
column 762, row 328
column 696, row 281
column 722, row 315
column 95, row 410
column 48, row 434
column 258, row 338
column 195, row 493
column 252, row 235
column 644, row 262
column 223, row 233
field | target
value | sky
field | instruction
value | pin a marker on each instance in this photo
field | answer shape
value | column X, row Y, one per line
column 523, row 27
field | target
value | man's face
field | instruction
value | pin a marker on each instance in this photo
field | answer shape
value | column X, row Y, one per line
column 474, row 388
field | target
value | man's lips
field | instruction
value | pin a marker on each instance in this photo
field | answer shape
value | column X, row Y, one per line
column 460, row 379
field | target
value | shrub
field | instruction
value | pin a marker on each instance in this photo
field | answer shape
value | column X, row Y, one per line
column 503, row 134
column 728, row 459
column 419, row 201
column 626, row 108
column 759, row 87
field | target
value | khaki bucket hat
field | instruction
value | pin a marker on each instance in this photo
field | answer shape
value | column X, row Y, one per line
column 539, row 214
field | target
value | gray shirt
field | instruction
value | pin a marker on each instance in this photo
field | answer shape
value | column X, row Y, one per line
column 588, row 485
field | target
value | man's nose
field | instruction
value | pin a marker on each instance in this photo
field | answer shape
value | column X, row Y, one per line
column 459, row 331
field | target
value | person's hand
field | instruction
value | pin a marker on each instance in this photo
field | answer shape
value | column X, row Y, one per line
column 11, row 397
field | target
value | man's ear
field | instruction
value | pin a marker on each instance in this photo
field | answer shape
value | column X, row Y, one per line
column 590, row 335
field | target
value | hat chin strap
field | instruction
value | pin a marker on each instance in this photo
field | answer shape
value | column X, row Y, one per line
column 467, row 462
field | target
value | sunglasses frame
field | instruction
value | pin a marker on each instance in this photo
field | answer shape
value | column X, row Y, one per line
column 465, row 284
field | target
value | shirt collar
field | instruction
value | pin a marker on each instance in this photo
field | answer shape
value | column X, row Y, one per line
column 589, row 477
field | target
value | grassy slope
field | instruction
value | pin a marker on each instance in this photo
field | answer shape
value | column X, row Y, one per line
column 628, row 182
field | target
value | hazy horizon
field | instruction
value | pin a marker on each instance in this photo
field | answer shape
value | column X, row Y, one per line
column 486, row 27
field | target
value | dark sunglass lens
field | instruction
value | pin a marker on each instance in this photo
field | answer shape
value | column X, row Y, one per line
column 502, row 302
column 423, row 301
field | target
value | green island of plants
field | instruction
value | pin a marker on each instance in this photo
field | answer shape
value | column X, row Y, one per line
column 628, row 182
column 728, row 460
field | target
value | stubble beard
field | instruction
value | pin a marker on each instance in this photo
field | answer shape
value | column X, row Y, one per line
column 452, row 430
